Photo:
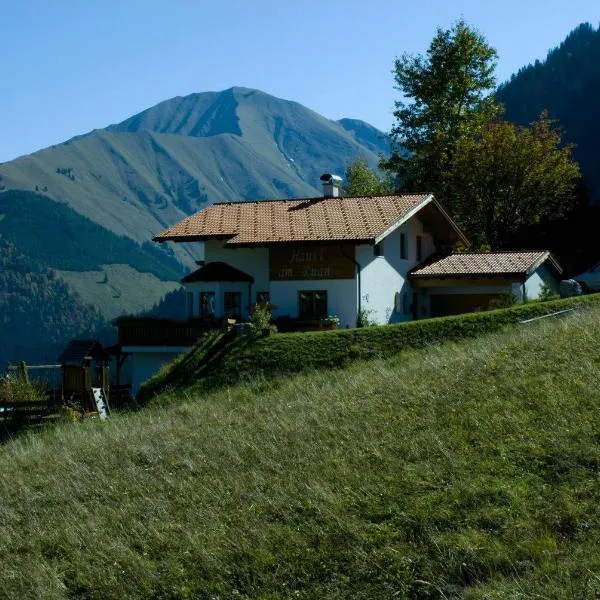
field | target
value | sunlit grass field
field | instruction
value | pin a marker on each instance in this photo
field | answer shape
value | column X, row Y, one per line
column 465, row 470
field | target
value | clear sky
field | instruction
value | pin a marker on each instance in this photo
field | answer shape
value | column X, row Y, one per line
column 69, row 66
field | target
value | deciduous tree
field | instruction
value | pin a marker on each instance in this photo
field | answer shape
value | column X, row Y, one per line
column 511, row 177
column 363, row 181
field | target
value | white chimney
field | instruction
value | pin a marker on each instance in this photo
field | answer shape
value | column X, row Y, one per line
column 331, row 185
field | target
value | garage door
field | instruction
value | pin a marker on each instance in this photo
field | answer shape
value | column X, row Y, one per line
column 456, row 304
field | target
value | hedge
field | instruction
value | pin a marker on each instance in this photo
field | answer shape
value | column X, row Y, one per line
column 246, row 358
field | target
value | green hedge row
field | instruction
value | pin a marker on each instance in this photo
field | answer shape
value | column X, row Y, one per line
column 284, row 354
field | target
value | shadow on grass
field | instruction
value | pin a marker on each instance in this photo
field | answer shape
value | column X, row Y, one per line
column 200, row 363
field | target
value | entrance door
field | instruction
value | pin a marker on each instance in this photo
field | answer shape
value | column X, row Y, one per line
column 312, row 305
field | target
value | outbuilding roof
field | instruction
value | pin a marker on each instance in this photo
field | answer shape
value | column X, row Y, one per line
column 322, row 219
column 78, row 350
column 217, row 271
column 484, row 264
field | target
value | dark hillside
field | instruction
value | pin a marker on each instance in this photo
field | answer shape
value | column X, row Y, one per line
column 60, row 238
column 38, row 312
column 567, row 84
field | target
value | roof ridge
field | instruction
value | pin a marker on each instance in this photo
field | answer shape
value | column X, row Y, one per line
column 315, row 198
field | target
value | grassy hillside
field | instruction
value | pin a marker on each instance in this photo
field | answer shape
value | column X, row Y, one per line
column 49, row 239
column 228, row 359
column 466, row 470
column 119, row 289
column 60, row 238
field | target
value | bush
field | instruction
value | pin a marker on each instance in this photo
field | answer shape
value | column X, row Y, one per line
column 261, row 318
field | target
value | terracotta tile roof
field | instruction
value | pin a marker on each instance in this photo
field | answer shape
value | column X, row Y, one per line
column 77, row 350
column 474, row 264
column 217, row 271
column 299, row 220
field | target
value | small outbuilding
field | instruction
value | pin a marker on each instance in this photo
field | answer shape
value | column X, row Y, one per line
column 465, row 282
column 85, row 365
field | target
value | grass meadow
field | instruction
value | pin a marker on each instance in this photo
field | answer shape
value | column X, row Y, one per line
column 462, row 470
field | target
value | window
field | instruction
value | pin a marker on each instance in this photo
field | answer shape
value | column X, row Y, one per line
column 312, row 305
column 232, row 305
column 263, row 297
column 190, row 305
column 405, row 303
column 207, row 305
column 378, row 249
column 419, row 248
column 403, row 248
column 414, row 309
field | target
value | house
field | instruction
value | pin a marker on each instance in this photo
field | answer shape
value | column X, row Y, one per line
column 314, row 257
column 387, row 257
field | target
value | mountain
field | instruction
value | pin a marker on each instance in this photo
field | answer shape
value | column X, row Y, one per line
column 88, row 208
column 567, row 84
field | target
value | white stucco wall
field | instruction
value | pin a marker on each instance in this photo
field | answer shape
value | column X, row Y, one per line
column 145, row 364
column 341, row 298
column 542, row 275
column 384, row 276
column 253, row 261
column 218, row 289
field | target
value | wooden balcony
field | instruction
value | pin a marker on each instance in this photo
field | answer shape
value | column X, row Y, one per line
column 147, row 331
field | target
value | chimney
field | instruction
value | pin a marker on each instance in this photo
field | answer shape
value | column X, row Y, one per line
column 331, row 185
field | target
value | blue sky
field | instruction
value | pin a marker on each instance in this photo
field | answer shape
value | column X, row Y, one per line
column 69, row 66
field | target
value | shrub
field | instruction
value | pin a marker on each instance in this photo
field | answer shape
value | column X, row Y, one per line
column 547, row 293
column 261, row 317
column 503, row 301
column 365, row 318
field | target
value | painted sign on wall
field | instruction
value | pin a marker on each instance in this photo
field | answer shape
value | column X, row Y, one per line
column 311, row 262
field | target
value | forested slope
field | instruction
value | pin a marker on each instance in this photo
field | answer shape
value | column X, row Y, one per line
column 567, row 85
column 38, row 311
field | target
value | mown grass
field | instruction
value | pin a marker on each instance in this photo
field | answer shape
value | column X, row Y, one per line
column 465, row 470
column 246, row 358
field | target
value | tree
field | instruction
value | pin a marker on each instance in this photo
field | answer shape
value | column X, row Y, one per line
column 450, row 92
column 511, row 177
column 363, row 181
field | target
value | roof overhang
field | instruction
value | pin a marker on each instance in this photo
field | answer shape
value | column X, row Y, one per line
column 160, row 238
column 517, row 276
column 435, row 219
column 280, row 243
column 545, row 257
column 217, row 272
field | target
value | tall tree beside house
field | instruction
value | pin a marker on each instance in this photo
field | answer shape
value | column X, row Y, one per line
column 494, row 178
column 449, row 96
column 363, row 181
column 511, row 177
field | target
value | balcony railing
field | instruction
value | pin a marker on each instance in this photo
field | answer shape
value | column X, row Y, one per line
column 160, row 332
